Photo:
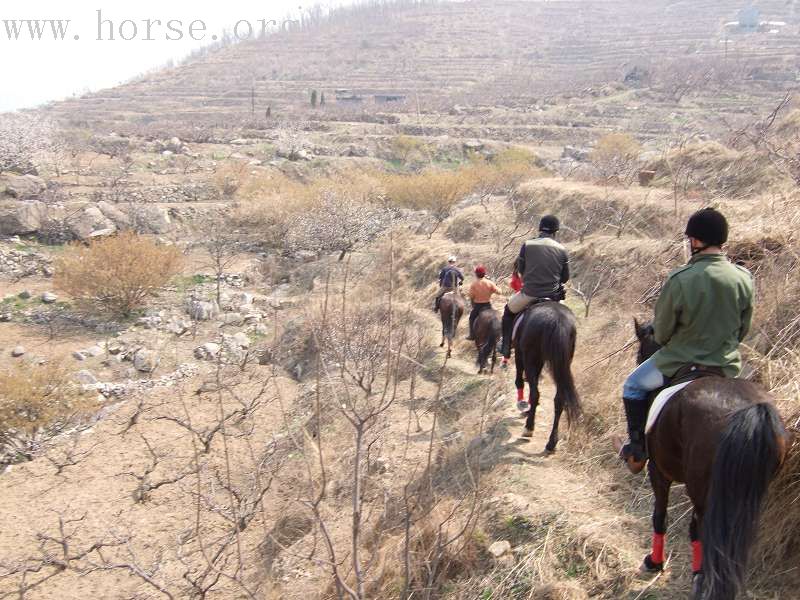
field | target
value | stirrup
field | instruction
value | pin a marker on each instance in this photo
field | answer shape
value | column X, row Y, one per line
column 634, row 457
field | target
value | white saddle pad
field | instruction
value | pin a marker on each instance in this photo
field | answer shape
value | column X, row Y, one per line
column 660, row 402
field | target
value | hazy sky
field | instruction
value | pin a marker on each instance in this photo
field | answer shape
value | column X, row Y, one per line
column 40, row 70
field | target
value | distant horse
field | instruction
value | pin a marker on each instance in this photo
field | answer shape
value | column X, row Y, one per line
column 451, row 309
column 547, row 336
column 726, row 441
column 487, row 333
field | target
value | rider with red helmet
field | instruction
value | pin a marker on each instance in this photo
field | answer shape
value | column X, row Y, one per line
column 480, row 292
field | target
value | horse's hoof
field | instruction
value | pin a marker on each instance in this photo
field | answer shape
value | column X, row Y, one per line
column 648, row 566
column 697, row 585
column 523, row 407
column 550, row 449
column 528, row 433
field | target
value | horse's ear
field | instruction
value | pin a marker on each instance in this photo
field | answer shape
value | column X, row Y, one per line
column 638, row 327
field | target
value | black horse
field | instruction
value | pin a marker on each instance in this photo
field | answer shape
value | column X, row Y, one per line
column 547, row 336
column 487, row 332
column 725, row 440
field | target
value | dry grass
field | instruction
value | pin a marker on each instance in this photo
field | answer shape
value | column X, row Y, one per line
column 116, row 275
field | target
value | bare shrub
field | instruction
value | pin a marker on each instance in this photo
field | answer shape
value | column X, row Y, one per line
column 504, row 172
column 338, row 221
column 229, row 178
column 116, row 275
column 36, row 400
column 434, row 191
column 407, row 149
column 616, row 158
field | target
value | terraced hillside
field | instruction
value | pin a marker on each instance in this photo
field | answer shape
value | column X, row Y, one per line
column 514, row 53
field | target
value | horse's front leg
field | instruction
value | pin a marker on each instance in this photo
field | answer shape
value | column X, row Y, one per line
column 558, row 405
column 654, row 562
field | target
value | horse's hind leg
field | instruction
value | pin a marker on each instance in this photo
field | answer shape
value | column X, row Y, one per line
column 533, row 370
column 519, row 382
column 697, row 555
column 654, row 562
column 558, row 405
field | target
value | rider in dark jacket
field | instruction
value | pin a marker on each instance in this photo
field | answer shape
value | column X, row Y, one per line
column 450, row 277
column 544, row 266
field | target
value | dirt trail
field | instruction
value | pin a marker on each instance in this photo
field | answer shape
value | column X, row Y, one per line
column 607, row 537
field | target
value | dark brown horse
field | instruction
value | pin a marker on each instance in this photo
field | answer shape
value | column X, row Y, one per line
column 547, row 337
column 487, row 334
column 451, row 309
column 725, row 440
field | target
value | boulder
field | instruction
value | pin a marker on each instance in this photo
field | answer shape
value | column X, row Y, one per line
column 176, row 145
column 239, row 299
column 241, row 340
column 203, row 311
column 20, row 218
column 149, row 219
column 472, row 146
column 208, row 351
column 177, row 326
column 94, row 351
column 18, row 351
column 113, row 214
column 85, row 377
column 49, row 298
column 22, row 186
column 232, row 319
column 578, row 154
column 90, row 223
column 145, row 361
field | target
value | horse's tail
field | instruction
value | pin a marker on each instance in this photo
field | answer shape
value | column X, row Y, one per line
column 748, row 456
column 449, row 311
column 489, row 345
column 561, row 348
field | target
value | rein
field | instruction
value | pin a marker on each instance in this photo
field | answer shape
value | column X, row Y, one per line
column 613, row 354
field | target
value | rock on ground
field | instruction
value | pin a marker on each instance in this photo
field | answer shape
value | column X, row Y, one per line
column 498, row 549
column 145, row 361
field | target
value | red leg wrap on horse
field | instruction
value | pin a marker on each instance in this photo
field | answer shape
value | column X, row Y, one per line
column 521, row 394
column 658, row 548
column 697, row 556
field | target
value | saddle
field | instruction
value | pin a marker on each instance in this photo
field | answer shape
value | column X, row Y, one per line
column 520, row 319
column 659, row 398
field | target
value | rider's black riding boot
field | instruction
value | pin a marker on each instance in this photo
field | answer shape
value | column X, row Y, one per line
column 508, row 331
column 634, row 453
column 472, row 316
column 436, row 304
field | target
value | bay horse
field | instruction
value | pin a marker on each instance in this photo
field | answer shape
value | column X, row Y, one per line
column 451, row 309
column 725, row 440
column 547, row 337
column 487, row 334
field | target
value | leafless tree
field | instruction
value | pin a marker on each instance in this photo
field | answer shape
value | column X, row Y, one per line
column 596, row 274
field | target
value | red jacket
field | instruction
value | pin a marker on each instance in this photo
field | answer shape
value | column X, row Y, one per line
column 516, row 282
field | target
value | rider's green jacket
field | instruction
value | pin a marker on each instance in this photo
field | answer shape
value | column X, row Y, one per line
column 703, row 313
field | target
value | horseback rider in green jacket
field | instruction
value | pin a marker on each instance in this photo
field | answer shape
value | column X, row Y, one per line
column 703, row 313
